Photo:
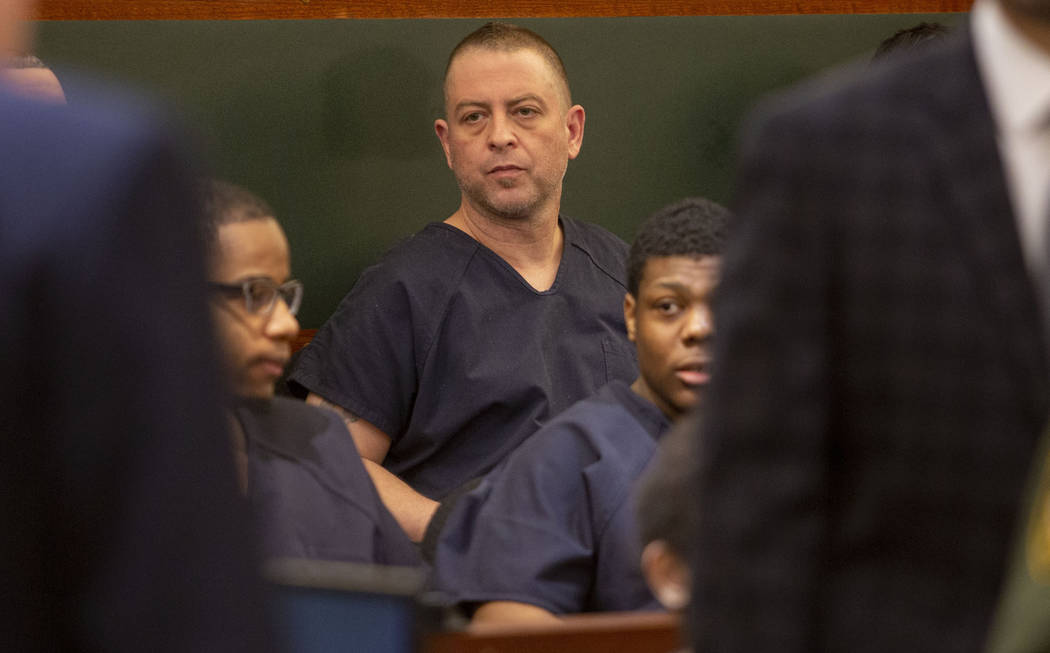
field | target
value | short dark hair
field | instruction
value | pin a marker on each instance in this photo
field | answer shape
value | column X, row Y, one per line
column 694, row 227
column 913, row 38
column 665, row 495
column 508, row 38
column 24, row 61
column 224, row 203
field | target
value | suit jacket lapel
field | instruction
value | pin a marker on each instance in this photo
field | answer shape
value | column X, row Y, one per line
column 988, row 229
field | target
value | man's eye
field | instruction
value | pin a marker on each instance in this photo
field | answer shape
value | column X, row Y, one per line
column 667, row 306
column 527, row 112
column 260, row 292
column 471, row 118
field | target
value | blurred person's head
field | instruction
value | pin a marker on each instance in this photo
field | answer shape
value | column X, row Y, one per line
column 672, row 271
column 254, row 301
column 911, row 39
column 28, row 76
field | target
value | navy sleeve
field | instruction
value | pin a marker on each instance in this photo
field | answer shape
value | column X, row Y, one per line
column 525, row 534
column 310, row 489
column 364, row 358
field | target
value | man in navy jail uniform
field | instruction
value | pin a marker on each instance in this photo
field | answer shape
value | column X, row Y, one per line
column 552, row 531
column 885, row 380
column 296, row 463
column 464, row 338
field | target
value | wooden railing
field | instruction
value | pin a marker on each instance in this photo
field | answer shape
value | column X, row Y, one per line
column 302, row 9
column 303, row 339
column 626, row 632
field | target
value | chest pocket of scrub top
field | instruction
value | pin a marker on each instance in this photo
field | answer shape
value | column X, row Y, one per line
column 620, row 361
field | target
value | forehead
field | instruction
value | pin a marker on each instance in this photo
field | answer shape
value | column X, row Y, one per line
column 680, row 270
column 484, row 74
column 251, row 248
column 37, row 83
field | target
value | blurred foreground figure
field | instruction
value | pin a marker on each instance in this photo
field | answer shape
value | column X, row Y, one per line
column 120, row 528
column 1022, row 624
column 881, row 376
column 27, row 76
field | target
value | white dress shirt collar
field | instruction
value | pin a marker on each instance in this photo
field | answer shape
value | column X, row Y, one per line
column 1016, row 78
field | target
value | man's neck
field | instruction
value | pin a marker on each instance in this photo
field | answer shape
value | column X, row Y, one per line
column 1034, row 28
column 531, row 245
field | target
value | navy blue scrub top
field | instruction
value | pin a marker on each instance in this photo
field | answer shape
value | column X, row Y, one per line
column 444, row 347
column 554, row 526
column 309, row 490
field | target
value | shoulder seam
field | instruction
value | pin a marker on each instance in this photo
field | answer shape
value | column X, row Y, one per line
column 579, row 226
column 447, row 303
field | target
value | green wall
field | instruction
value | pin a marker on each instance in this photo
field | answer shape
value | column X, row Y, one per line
column 332, row 120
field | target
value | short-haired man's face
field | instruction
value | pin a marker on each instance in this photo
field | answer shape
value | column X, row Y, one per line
column 671, row 324
column 509, row 131
column 256, row 346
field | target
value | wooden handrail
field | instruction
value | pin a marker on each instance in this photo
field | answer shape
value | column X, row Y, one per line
column 621, row 632
column 303, row 338
column 304, row 9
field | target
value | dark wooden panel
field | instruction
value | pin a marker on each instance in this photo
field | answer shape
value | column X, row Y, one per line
column 299, row 9
column 303, row 339
column 625, row 632
column 331, row 121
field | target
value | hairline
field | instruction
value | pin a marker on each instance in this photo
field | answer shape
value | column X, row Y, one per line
column 545, row 53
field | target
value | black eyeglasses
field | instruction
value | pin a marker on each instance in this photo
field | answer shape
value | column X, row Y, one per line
column 260, row 294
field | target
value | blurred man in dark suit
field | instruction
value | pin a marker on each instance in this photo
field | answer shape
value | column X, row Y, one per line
column 119, row 523
column 885, row 375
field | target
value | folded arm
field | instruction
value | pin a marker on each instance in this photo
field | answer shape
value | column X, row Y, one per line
column 411, row 509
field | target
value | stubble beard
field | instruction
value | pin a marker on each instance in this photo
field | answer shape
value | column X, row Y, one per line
column 508, row 210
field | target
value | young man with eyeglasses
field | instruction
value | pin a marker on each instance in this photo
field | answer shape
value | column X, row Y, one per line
column 296, row 463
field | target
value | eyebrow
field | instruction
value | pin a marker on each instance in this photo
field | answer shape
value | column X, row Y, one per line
column 254, row 277
column 471, row 103
column 514, row 101
column 672, row 285
column 526, row 98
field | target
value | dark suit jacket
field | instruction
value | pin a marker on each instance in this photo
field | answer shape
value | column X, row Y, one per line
column 120, row 528
column 880, row 380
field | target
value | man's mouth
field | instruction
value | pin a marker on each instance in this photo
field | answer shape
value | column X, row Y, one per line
column 506, row 170
column 695, row 373
column 272, row 366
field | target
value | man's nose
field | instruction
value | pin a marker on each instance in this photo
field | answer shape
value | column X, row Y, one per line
column 282, row 324
column 501, row 132
column 699, row 324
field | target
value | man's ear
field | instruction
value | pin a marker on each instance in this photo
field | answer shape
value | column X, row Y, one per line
column 574, row 123
column 628, row 314
column 666, row 575
column 441, row 129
